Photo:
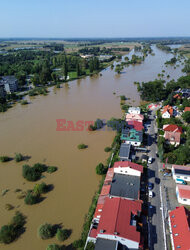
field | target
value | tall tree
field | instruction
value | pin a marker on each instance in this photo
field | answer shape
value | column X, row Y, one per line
column 65, row 70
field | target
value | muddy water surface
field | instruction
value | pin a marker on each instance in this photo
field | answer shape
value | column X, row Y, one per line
column 31, row 130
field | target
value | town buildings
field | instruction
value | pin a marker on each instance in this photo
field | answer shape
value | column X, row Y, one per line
column 183, row 194
column 172, row 134
column 181, row 172
column 10, row 83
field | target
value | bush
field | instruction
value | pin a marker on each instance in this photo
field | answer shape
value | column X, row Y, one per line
column 53, row 247
column 107, row 149
column 18, row 157
column 123, row 98
column 100, row 169
column 45, row 231
column 90, row 246
column 24, row 102
column 30, row 173
column 40, row 188
column 39, row 167
column 186, row 116
column 31, row 198
column 4, row 158
column 18, row 220
column 82, row 146
column 51, row 169
column 62, row 234
column 7, row 234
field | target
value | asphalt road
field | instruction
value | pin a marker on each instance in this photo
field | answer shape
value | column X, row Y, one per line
column 155, row 227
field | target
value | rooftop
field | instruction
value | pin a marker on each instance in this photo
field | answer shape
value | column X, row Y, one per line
column 180, row 225
column 168, row 109
column 117, row 218
column 132, row 135
column 103, row 244
column 184, row 191
column 172, row 128
column 124, row 151
column 187, row 109
column 124, row 164
column 136, row 125
column 126, row 186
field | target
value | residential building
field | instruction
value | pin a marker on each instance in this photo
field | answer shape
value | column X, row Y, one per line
column 132, row 136
column 134, row 117
column 125, row 186
column 167, row 111
column 183, row 194
column 134, row 110
column 103, row 244
column 179, row 225
column 119, row 222
column 124, row 153
column 136, row 125
column 181, row 172
column 2, row 91
column 172, row 134
column 187, row 109
column 128, row 164
column 10, row 83
column 185, row 92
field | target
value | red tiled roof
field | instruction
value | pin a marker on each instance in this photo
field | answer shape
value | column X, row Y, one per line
column 177, row 96
column 134, row 117
column 184, row 191
column 187, row 109
column 98, row 211
column 105, row 190
column 180, row 225
column 168, row 109
column 136, row 125
column 124, row 164
column 172, row 128
column 109, row 176
column 116, row 218
column 172, row 136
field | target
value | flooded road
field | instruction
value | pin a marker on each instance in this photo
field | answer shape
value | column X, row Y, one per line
column 31, row 130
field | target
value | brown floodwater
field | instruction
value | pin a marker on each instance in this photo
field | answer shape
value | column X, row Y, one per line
column 31, row 130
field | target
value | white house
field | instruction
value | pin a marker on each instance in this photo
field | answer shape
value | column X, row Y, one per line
column 183, row 194
column 127, row 171
column 134, row 110
column 181, row 172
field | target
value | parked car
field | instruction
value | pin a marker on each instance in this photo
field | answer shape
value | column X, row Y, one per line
column 150, row 186
column 167, row 174
column 150, row 194
column 180, row 181
column 150, row 160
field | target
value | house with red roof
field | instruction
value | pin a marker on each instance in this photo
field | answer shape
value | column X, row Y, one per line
column 136, row 125
column 129, row 164
column 187, row 109
column 120, row 221
column 179, row 225
column 183, row 194
column 134, row 117
column 172, row 134
column 167, row 111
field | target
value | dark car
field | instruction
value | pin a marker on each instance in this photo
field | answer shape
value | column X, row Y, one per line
column 150, row 186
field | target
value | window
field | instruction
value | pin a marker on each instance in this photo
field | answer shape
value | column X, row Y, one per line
column 176, row 234
column 178, row 247
column 175, row 226
column 173, row 216
column 185, row 178
column 184, row 199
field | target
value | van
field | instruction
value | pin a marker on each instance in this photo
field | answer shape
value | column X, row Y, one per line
column 180, row 181
column 150, row 194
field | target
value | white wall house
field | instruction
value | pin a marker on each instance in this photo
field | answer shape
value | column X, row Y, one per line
column 166, row 115
column 181, row 172
column 127, row 171
column 183, row 194
column 134, row 110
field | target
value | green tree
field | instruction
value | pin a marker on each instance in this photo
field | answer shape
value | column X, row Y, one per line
column 100, row 169
column 53, row 247
column 186, row 116
column 45, row 231
column 65, row 70
column 62, row 234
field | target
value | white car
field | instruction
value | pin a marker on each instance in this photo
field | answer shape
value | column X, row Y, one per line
column 150, row 194
column 150, row 159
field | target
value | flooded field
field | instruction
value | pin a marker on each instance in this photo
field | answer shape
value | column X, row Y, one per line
column 31, row 130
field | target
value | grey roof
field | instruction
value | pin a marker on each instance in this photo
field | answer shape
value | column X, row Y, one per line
column 124, row 150
column 125, row 186
column 182, row 171
column 104, row 244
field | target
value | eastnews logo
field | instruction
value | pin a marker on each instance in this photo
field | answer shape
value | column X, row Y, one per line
column 82, row 125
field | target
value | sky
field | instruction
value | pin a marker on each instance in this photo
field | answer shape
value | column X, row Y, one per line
column 94, row 18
